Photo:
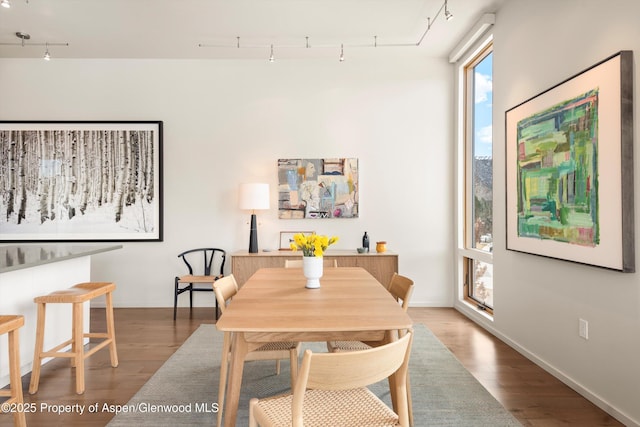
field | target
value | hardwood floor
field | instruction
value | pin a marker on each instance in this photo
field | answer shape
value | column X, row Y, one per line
column 533, row 396
column 147, row 337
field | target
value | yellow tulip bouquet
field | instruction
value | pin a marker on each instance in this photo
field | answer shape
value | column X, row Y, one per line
column 312, row 245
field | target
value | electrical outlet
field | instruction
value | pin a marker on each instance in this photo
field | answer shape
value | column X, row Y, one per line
column 583, row 329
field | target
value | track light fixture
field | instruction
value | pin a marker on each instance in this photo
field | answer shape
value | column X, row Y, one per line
column 23, row 42
column 447, row 14
column 22, row 36
column 7, row 3
column 444, row 9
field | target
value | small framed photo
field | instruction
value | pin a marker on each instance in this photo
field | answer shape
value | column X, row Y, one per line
column 286, row 238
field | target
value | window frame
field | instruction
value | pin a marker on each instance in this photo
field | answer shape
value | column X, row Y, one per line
column 466, row 254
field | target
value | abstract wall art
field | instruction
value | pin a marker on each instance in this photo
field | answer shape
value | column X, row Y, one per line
column 569, row 155
column 318, row 188
column 80, row 181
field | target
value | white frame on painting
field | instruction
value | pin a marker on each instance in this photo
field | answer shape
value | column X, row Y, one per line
column 569, row 169
column 80, row 181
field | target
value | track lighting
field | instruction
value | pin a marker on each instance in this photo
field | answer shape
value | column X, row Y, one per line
column 444, row 10
column 447, row 14
column 24, row 37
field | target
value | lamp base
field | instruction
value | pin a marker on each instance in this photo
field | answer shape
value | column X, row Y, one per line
column 253, row 235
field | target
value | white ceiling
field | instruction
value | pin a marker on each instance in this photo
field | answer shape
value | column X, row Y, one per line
column 179, row 28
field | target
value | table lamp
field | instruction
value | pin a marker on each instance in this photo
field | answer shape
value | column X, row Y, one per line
column 254, row 196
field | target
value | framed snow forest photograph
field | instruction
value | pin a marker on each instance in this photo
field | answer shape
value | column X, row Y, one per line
column 80, row 181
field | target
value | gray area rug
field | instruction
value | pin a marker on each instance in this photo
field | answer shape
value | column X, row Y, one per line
column 185, row 388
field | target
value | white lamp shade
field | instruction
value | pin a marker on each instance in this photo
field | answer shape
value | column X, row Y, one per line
column 254, row 196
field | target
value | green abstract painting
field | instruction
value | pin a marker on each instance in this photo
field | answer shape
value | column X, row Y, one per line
column 557, row 171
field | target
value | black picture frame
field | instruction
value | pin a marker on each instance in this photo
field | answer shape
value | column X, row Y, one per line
column 81, row 181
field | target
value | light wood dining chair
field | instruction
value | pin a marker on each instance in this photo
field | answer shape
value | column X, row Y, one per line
column 332, row 390
column 297, row 263
column 401, row 288
column 225, row 288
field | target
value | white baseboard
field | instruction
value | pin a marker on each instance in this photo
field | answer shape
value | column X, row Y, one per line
column 481, row 319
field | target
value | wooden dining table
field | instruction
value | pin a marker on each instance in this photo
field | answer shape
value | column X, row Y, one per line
column 274, row 305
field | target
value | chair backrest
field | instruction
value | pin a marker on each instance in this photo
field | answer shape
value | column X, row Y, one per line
column 297, row 263
column 225, row 288
column 292, row 263
column 354, row 369
column 204, row 261
column 401, row 288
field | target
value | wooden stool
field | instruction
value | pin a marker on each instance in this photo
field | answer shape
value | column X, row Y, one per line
column 10, row 325
column 75, row 295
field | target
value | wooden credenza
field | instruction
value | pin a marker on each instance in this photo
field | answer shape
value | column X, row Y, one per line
column 381, row 266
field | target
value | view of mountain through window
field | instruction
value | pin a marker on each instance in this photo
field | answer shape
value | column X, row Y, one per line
column 482, row 155
column 480, row 194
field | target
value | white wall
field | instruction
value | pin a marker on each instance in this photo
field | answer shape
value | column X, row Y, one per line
column 227, row 122
column 537, row 45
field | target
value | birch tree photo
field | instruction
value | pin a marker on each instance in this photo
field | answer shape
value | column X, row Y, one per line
column 79, row 183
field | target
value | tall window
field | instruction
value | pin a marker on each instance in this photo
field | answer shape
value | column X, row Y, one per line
column 477, row 248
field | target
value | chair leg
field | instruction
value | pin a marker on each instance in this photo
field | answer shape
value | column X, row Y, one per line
column 402, row 406
column 293, row 360
column 175, row 299
column 278, row 367
column 111, row 330
column 15, row 377
column 224, row 366
column 252, row 418
column 78, row 346
column 39, row 348
column 409, row 401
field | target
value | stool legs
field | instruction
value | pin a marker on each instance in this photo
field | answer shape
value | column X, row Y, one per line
column 77, row 354
column 39, row 348
column 15, row 377
column 77, row 347
column 10, row 325
column 111, row 331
